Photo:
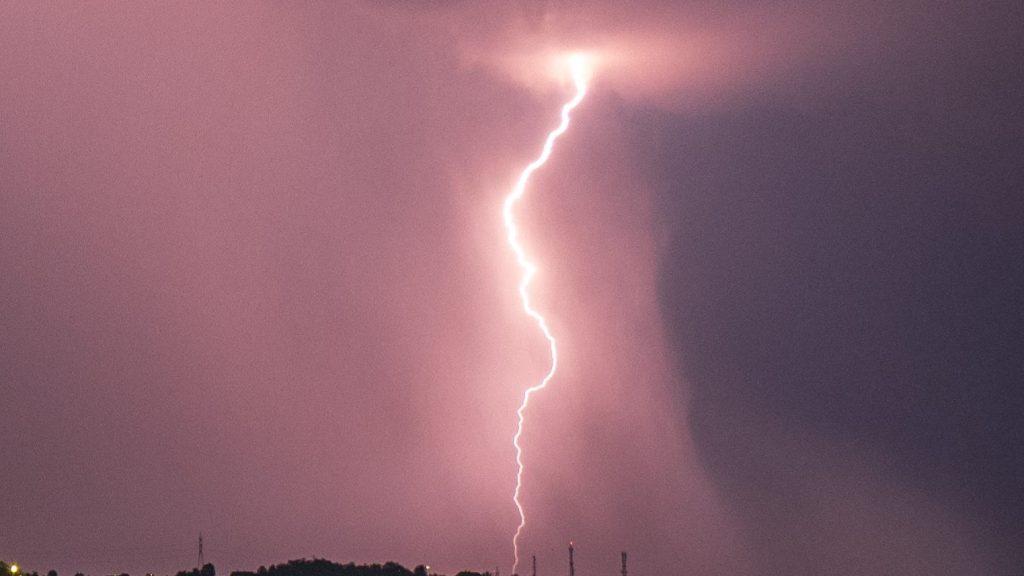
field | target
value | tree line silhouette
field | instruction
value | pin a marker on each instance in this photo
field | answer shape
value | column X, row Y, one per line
column 321, row 567
column 302, row 567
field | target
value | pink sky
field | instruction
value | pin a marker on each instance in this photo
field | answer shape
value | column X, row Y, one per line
column 265, row 247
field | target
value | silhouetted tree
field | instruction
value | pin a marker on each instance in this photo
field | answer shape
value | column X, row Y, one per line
column 206, row 570
column 319, row 567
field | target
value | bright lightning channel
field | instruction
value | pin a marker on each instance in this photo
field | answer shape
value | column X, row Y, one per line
column 579, row 68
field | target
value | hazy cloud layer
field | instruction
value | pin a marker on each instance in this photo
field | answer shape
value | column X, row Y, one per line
column 254, row 284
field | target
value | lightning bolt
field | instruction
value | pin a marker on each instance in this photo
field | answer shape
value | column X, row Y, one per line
column 579, row 69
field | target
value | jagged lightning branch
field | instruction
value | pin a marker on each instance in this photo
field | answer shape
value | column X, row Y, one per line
column 578, row 68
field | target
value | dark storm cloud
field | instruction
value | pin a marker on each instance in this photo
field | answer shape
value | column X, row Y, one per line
column 843, row 284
